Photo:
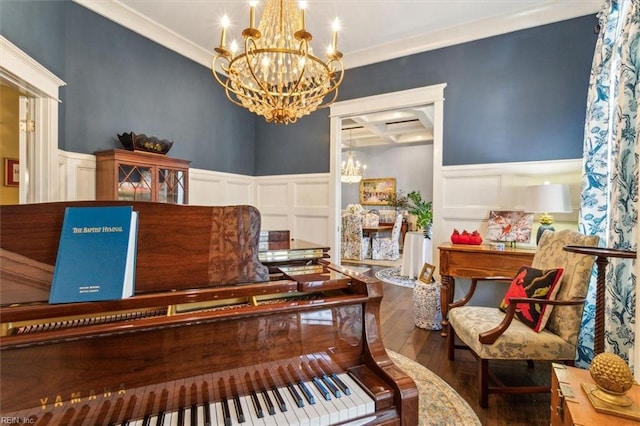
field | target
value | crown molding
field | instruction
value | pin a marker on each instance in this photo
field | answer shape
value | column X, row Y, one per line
column 19, row 68
column 129, row 18
column 533, row 17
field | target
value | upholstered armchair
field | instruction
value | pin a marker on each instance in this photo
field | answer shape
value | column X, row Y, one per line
column 355, row 246
column 387, row 247
column 536, row 294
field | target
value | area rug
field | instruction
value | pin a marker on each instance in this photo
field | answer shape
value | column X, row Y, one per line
column 439, row 404
column 392, row 276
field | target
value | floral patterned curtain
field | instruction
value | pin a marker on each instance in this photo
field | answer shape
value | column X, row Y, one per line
column 610, row 172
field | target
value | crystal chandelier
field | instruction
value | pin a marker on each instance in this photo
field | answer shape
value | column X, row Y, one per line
column 277, row 75
column 352, row 171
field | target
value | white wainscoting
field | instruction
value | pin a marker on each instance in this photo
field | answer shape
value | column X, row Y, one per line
column 468, row 193
column 299, row 203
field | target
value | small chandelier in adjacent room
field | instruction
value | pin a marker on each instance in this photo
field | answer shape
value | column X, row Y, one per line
column 277, row 75
column 352, row 171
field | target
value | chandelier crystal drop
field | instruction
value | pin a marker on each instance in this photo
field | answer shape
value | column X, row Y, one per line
column 277, row 75
column 352, row 171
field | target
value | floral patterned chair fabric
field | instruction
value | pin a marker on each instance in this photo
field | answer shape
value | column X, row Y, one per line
column 492, row 334
column 388, row 247
column 355, row 246
column 371, row 220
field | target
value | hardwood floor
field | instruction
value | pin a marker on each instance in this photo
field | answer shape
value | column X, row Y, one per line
column 429, row 349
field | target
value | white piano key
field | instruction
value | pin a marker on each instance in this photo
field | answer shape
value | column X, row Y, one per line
column 336, row 409
column 187, row 417
column 174, row 419
column 321, row 407
column 292, row 415
column 367, row 406
column 276, row 419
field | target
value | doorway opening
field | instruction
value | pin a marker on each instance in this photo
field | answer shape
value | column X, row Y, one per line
column 38, row 165
column 429, row 98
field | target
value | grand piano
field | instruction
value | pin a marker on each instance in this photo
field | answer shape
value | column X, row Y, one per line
column 212, row 336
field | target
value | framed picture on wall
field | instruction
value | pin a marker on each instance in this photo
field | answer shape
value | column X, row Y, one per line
column 11, row 172
column 377, row 192
column 509, row 226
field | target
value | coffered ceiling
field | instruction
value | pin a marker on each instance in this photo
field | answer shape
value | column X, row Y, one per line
column 411, row 126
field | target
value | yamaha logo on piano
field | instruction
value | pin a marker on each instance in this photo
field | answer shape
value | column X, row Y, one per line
column 76, row 398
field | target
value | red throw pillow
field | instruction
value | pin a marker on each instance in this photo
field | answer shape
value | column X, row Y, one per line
column 537, row 284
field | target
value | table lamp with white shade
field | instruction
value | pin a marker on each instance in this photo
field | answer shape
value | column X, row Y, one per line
column 548, row 198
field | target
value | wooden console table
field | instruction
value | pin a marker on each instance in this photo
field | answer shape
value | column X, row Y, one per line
column 466, row 261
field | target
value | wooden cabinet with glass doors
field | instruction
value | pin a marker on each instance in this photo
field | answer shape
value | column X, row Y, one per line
column 141, row 176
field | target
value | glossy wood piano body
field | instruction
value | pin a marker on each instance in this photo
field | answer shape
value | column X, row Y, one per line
column 208, row 323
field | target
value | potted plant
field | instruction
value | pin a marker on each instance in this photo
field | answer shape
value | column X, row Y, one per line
column 399, row 200
column 422, row 210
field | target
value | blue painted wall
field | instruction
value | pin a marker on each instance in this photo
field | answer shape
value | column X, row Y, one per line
column 515, row 97
column 118, row 81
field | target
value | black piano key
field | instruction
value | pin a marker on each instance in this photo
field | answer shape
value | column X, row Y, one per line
column 297, row 378
column 279, row 399
column 160, row 419
column 265, row 395
column 307, row 393
column 207, row 414
column 225, row 412
column 275, row 391
column 340, row 384
column 333, row 388
column 295, row 395
column 181, row 416
column 194, row 415
column 325, row 379
column 238, row 408
column 206, row 401
column 257, row 407
column 317, row 383
column 271, row 409
column 194, row 404
column 256, row 404
column 321, row 388
column 182, row 403
column 164, row 397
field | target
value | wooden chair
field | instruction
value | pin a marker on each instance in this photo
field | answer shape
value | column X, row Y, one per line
column 492, row 334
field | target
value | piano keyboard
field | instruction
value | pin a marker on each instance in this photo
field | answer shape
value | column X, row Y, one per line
column 302, row 403
column 304, row 392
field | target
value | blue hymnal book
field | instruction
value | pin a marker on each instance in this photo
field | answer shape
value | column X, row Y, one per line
column 96, row 255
